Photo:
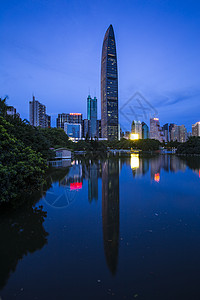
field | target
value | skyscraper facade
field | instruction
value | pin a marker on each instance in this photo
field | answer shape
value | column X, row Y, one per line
column 37, row 114
column 196, row 129
column 145, row 131
column 75, row 118
column 136, row 128
column 92, row 115
column 155, row 130
column 109, row 87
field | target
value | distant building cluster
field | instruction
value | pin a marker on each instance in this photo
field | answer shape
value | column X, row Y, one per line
column 167, row 132
column 78, row 128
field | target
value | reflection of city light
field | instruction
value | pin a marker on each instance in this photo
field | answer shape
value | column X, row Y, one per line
column 157, row 177
column 135, row 161
column 76, row 186
column 134, row 136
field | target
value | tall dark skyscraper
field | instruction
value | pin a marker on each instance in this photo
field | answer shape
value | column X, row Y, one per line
column 109, row 87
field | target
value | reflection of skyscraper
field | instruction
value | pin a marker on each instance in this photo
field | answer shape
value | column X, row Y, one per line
column 110, row 212
column 109, row 87
column 93, row 183
column 139, row 165
column 74, row 178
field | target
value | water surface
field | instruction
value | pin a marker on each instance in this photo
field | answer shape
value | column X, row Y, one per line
column 120, row 228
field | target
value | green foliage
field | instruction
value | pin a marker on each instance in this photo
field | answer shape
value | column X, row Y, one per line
column 24, row 151
column 21, row 168
column 192, row 146
column 39, row 139
column 172, row 144
column 102, row 146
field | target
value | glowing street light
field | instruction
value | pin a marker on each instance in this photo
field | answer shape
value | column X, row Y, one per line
column 134, row 136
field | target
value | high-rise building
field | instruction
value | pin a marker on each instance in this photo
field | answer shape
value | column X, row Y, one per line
column 196, row 129
column 145, row 131
column 171, row 126
column 165, row 130
column 136, row 128
column 73, row 130
column 99, row 128
column 37, row 114
column 60, row 120
column 92, row 115
column 109, row 87
column 48, row 121
column 155, row 130
column 178, row 133
column 182, row 134
column 86, row 128
column 72, row 118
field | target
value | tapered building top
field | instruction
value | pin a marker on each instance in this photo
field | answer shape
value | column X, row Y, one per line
column 109, row 87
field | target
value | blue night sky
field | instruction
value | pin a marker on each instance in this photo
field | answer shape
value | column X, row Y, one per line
column 52, row 48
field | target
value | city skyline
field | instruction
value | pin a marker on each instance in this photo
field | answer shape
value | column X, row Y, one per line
column 161, row 50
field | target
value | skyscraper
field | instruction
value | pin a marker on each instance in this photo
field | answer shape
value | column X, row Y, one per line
column 196, row 129
column 136, row 128
column 179, row 133
column 37, row 114
column 92, row 115
column 145, row 131
column 155, row 130
column 75, row 118
column 109, row 87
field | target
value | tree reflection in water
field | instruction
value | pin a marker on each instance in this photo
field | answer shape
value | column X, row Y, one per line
column 21, row 232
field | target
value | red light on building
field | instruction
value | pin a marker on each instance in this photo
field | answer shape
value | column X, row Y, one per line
column 199, row 173
column 157, row 177
column 76, row 186
column 75, row 114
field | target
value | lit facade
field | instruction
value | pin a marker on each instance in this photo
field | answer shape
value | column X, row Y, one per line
column 155, row 130
column 73, row 130
column 136, row 128
column 109, row 87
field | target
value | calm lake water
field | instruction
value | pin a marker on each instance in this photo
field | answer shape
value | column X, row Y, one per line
column 125, row 228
